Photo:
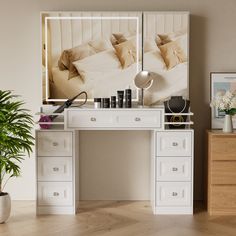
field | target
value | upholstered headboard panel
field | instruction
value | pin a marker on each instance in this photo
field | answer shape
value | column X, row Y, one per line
column 164, row 22
column 67, row 33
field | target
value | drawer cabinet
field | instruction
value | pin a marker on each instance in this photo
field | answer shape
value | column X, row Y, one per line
column 221, row 173
column 54, row 143
column 174, row 143
column 173, row 172
column 169, row 194
column 55, row 194
column 174, row 169
column 55, row 172
column 54, row 169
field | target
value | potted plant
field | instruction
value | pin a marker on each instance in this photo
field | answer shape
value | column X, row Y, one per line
column 15, row 140
column 226, row 103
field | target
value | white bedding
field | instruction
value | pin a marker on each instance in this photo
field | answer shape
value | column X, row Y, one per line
column 169, row 82
column 102, row 75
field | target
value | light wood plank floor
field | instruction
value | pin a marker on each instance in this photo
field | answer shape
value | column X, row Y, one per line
column 109, row 218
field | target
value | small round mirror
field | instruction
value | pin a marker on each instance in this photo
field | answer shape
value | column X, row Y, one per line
column 143, row 80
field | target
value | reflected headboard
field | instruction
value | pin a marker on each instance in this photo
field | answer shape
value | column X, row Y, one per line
column 66, row 33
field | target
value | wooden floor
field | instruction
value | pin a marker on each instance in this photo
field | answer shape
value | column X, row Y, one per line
column 108, row 218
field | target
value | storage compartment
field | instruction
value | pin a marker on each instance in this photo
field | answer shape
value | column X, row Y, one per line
column 55, row 168
column 173, row 194
column 173, row 169
column 58, row 143
column 174, row 143
column 55, row 193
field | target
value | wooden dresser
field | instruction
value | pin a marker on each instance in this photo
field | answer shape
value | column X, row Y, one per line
column 221, row 199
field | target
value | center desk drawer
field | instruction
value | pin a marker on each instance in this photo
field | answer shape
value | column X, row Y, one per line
column 174, row 143
column 174, row 168
column 58, row 143
column 114, row 118
column 54, row 168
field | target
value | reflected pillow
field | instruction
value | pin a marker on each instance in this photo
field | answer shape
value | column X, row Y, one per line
column 98, row 65
column 126, row 52
column 172, row 54
column 118, row 38
column 100, row 45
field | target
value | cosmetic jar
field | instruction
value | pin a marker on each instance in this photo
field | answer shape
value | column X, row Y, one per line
column 105, row 102
column 120, row 95
column 128, row 98
column 97, row 102
column 113, row 101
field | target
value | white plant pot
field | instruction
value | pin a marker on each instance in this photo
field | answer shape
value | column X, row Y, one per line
column 228, row 124
column 5, row 207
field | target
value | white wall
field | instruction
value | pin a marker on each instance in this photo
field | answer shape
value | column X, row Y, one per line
column 212, row 48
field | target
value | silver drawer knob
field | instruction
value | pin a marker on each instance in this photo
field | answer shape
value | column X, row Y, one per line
column 56, row 194
column 175, row 144
column 55, row 169
column 174, row 169
column 174, row 194
column 137, row 119
column 55, row 144
column 93, row 119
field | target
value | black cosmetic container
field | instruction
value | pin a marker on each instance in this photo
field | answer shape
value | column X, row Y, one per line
column 105, row 102
column 120, row 95
column 113, row 101
column 128, row 98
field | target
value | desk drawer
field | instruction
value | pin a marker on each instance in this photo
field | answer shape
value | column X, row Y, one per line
column 173, row 168
column 55, row 193
column 174, row 143
column 54, row 143
column 91, row 119
column 173, row 194
column 142, row 119
column 54, row 169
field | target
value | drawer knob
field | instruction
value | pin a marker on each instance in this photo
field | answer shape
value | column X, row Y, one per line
column 56, row 194
column 93, row 119
column 175, row 144
column 55, row 169
column 137, row 119
column 174, row 194
column 55, row 144
column 174, row 169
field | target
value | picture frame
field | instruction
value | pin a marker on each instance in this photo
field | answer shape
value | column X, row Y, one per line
column 221, row 82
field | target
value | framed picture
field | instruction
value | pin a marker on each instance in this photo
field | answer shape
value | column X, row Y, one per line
column 220, row 83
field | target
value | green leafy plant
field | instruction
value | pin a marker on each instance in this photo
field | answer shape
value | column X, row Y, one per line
column 15, row 136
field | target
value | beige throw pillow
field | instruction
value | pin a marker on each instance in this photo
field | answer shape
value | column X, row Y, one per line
column 74, row 54
column 118, row 38
column 172, row 54
column 126, row 52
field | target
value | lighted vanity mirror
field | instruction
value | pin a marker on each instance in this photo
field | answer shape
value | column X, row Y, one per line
column 96, row 52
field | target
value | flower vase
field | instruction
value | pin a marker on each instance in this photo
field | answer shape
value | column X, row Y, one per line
column 228, row 124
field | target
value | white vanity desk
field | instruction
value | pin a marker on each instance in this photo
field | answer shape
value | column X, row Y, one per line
column 172, row 160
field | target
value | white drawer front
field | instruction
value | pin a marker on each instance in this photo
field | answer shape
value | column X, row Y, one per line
column 174, row 143
column 54, row 143
column 173, row 193
column 143, row 119
column 55, row 193
column 90, row 119
column 55, row 169
column 173, row 168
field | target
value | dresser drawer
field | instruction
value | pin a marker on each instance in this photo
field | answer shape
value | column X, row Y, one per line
column 54, row 169
column 174, row 143
column 173, row 194
column 142, row 119
column 223, row 172
column 55, row 193
column 223, row 199
column 54, row 143
column 173, row 168
column 223, row 147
